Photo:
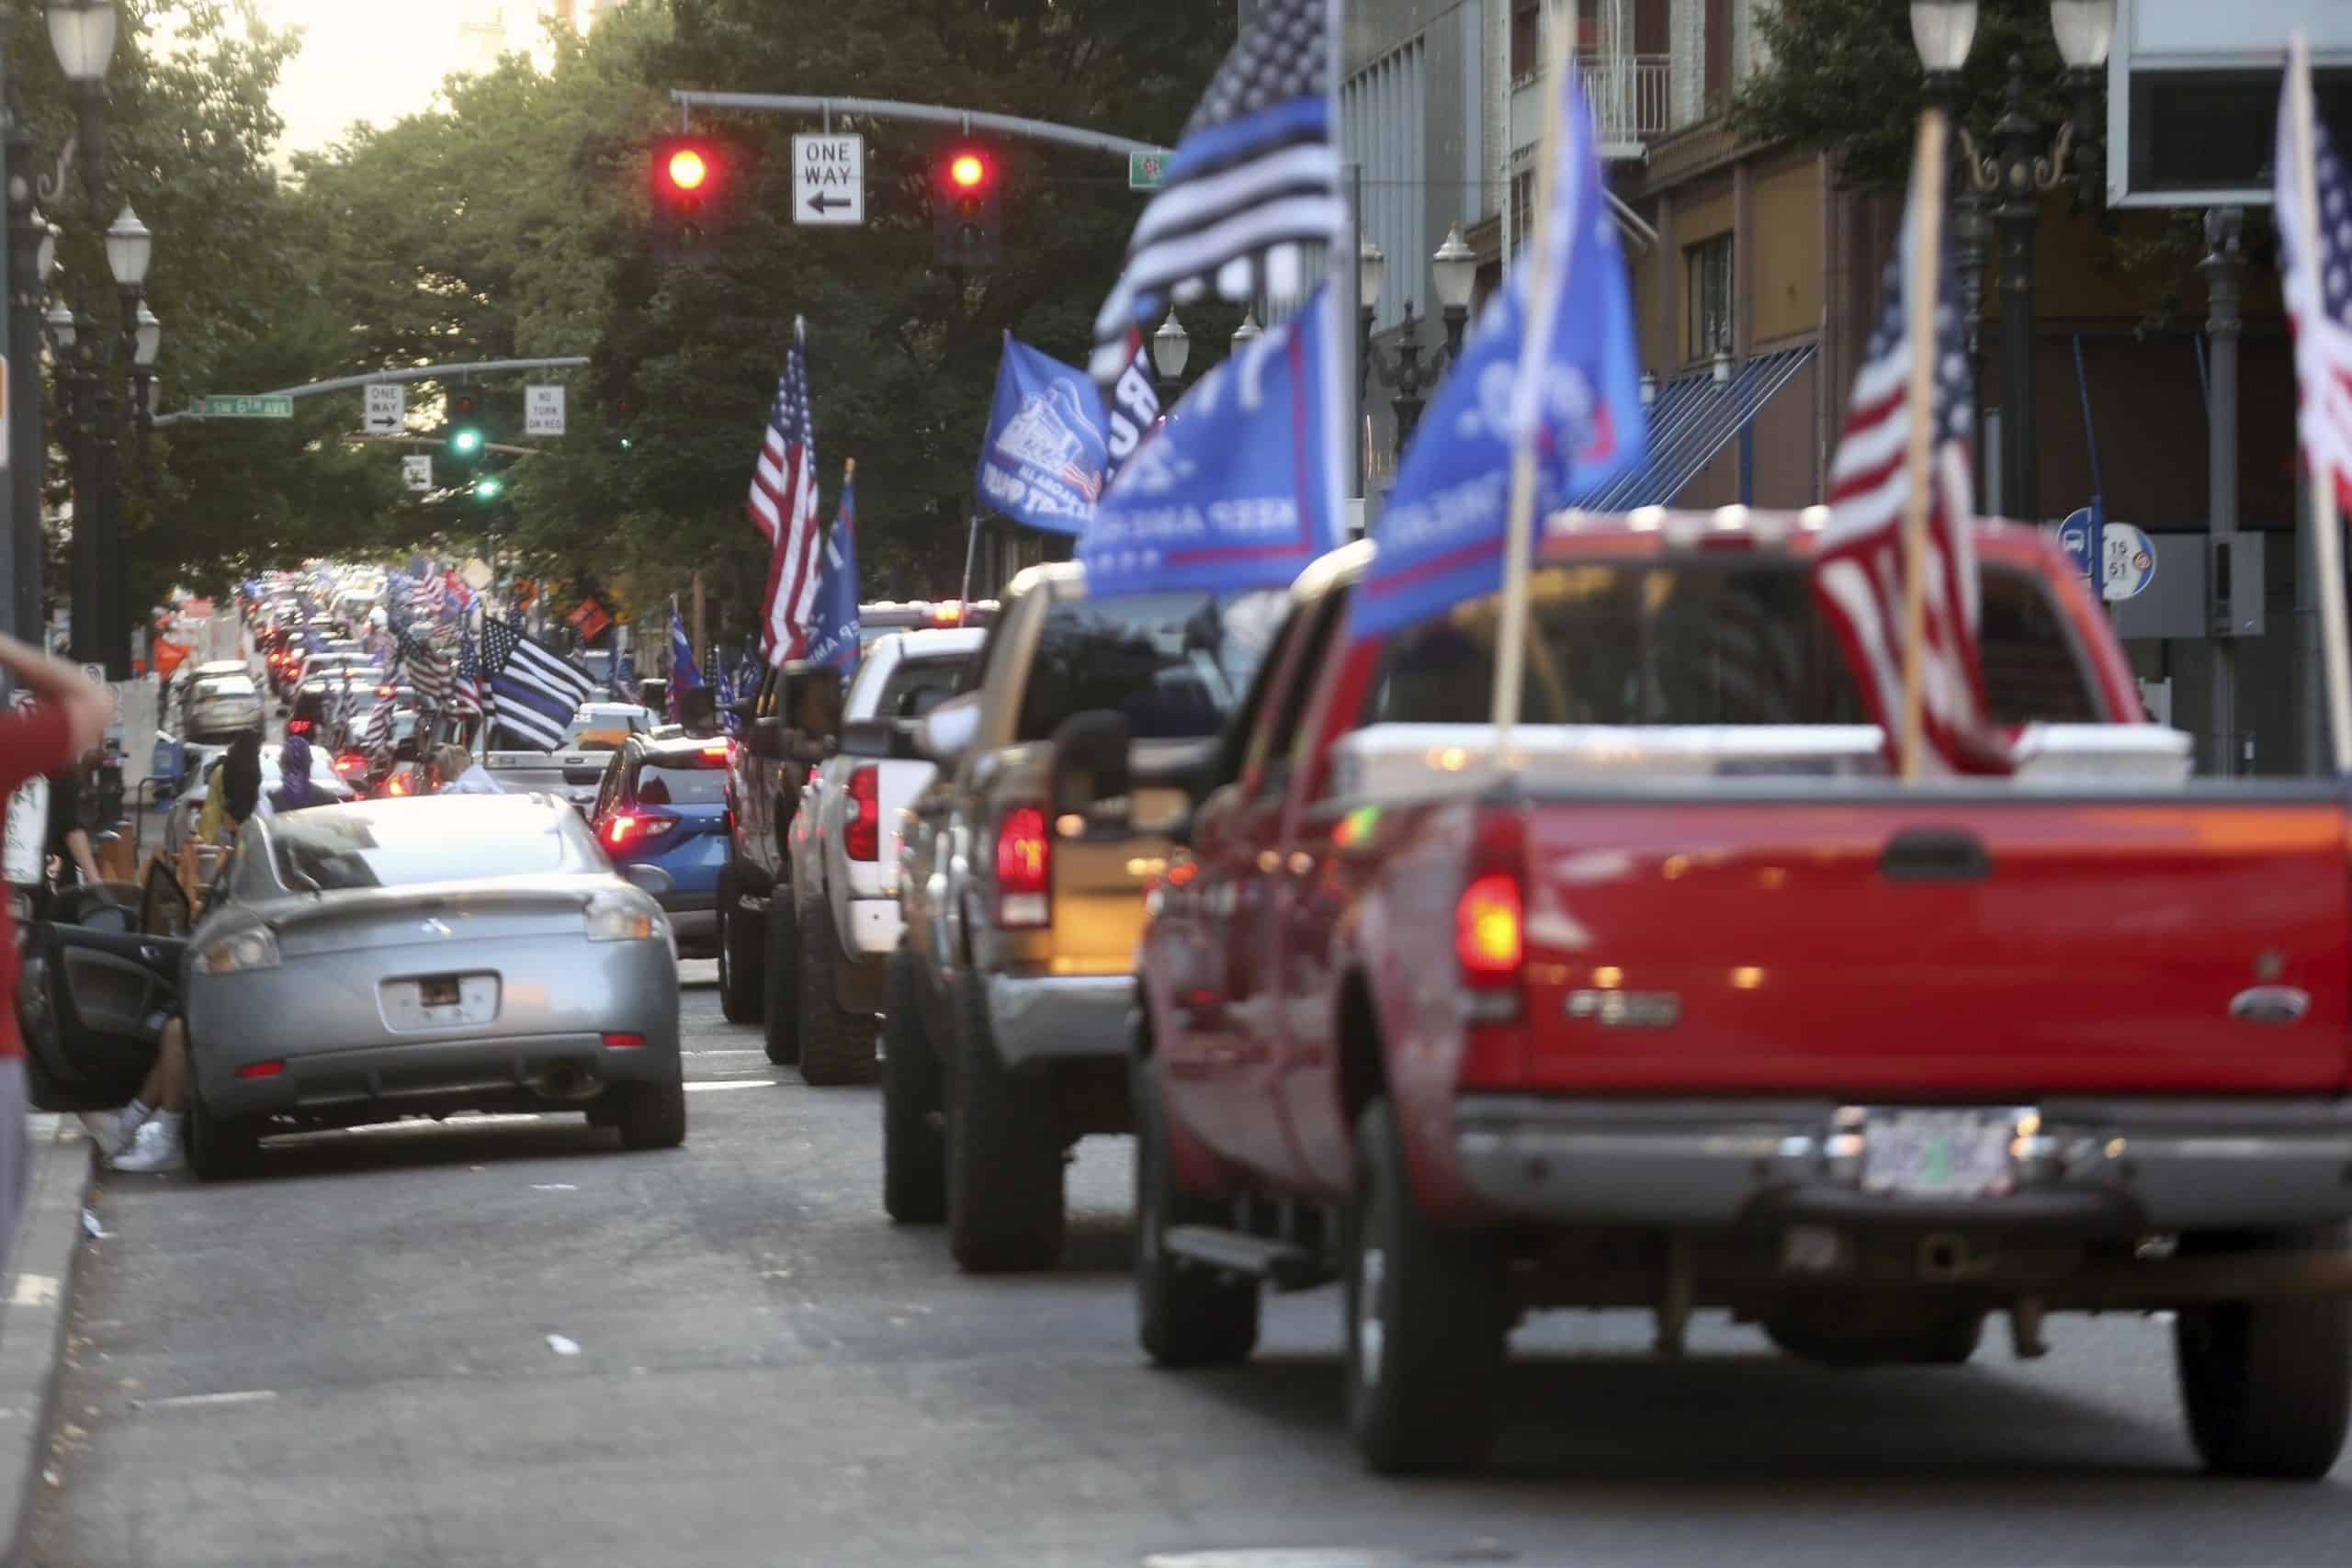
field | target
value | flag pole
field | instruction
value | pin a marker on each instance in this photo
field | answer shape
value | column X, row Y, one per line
column 2327, row 545
column 1920, row 327
column 1519, row 533
column 972, row 544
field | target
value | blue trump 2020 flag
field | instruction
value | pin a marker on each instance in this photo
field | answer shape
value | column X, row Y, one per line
column 1242, row 485
column 833, row 633
column 1042, row 463
column 1554, row 358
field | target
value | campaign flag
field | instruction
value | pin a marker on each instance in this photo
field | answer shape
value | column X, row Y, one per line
column 784, row 502
column 834, row 641
column 1131, row 408
column 1255, row 177
column 1554, row 358
column 1244, row 482
column 685, row 675
column 534, row 690
column 1859, row 572
column 1043, row 461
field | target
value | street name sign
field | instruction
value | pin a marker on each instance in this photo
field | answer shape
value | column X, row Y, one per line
column 243, row 408
column 416, row 470
column 1147, row 171
column 829, row 180
column 543, row 411
column 387, row 407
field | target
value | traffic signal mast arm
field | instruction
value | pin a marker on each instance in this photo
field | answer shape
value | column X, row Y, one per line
column 967, row 121
column 416, row 373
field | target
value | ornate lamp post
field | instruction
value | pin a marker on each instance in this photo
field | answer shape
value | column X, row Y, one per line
column 1455, row 272
column 1171, row 350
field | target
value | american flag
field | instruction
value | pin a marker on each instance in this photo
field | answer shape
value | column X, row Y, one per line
column 466, row 694
column 783, row 505
column 2319, row 296
column 378, row 738
column 1858, row 577
column 429, row 672
column 1254, row 177
column 432, row 596
column 534, row 690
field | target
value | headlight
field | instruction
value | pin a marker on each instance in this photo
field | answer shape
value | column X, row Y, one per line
column 614, row 918
column 253, row 949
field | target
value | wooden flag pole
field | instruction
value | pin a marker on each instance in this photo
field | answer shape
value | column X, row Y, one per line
column 2327, row 544
column 1920, row 327
column 1519, row 531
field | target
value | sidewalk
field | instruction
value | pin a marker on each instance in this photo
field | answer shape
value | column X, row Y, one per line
column 33, row 1315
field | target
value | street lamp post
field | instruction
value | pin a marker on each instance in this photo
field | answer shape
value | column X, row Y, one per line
column 1455, row 272
column 2017, row 174
column 130, row 249
column 1171, row 350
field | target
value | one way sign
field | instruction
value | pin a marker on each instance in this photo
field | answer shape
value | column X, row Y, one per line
column 829, row 180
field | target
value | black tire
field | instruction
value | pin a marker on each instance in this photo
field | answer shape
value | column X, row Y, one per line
column 1946, row 1342
column 653, row 1115
column 1005, row 1158
column 220, row 1148
column 1427, row 1321
column 2268, row 1386
column 1186, row 1316
column 914, row 1140
column 836, row 1047
column 781, row 963
column 738, row 954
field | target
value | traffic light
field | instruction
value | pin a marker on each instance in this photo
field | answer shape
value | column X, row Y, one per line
column 967, row 217
column 488, row 487
column 697, row 179
column 465, row 428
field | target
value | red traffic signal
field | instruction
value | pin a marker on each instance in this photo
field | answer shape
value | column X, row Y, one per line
column 687, row 171
column 968, row 171
column 965, row 201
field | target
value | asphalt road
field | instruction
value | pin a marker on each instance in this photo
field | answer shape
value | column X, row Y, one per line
column 355, row 1360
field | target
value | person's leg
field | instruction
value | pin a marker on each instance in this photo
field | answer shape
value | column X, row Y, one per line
column 156, row 1146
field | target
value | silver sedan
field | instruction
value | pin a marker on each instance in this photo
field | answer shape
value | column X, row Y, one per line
column 393, row 958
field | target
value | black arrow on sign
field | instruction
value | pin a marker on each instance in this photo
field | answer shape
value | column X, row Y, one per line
column 819, row 203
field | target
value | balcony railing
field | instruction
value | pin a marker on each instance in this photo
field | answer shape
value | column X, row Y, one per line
column 1632, row 95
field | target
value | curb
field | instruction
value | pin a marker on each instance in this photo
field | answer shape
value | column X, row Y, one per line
column 33, row 1317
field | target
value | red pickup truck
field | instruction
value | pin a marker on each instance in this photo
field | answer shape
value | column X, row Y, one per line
column 1695, row 1008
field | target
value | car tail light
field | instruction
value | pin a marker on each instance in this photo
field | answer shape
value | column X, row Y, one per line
column 396, row 784
column 949, row 614
column 624, row 1041
column 630, row 828
column 1491, row 949
column 261, row 1070
column 299, row 726
column 1024, row 866
column 721, row 751
column 351, row 764
column 862, row 835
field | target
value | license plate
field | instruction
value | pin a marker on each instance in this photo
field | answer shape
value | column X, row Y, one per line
column 441, row 1002
column 1938, row 1153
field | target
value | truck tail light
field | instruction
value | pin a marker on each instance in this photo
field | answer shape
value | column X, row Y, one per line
column 1486, row 934
column 862, row 835
column 1490, row 948
column 1024, row 866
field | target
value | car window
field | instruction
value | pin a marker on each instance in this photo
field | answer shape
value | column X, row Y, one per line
column 402, row 847
column 690, row 780
column 1174, row 664
column 915, row 687
column 1277, row 740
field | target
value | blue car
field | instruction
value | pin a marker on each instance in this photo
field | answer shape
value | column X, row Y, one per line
column 662, row 804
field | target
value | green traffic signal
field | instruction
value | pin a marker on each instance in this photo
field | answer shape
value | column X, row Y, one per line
column 486, row 489
column 465, row 441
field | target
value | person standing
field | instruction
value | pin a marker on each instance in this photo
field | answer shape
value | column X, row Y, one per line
column 68, row 717
column 69, row 832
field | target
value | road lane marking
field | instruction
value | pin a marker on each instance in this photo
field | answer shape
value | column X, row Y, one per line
column 733, row 1083
column 191, row 1401
column 746, row 1051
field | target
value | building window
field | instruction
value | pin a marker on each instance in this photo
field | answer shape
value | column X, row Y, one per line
column 1706, row 285
column 1522, row 207
column 1526, row 40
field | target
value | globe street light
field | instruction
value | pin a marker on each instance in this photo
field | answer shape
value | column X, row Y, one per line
column 1454, row 271
column 1172, row 349
column 1248, row 332
column 131, row 247
column 82, row 34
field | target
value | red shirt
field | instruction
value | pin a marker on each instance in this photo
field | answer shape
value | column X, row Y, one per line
column 33, row 742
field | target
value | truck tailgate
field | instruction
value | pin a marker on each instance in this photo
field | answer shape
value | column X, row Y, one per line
column 896, row 788
column 1949, row 946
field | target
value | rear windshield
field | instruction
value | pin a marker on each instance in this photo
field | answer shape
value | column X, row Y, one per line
column 225, row 686
column 402, row 847
column 1735, row 641
column 1175, row 664
column 915, row 687
column 683, row 781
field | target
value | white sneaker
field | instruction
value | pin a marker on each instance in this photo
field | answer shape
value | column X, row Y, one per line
column 111, row 1130
column 154, row 1148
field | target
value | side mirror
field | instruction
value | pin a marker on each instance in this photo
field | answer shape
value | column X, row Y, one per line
column 1091, row 761
column 948, row 730
column 765, row 738
column 649, row 879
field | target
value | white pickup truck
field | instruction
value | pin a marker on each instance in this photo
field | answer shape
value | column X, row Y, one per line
column 844, row 847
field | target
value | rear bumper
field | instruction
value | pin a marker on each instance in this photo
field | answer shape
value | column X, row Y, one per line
column 1048, row 1017
column 2116, row 1166
column 393, row 1081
